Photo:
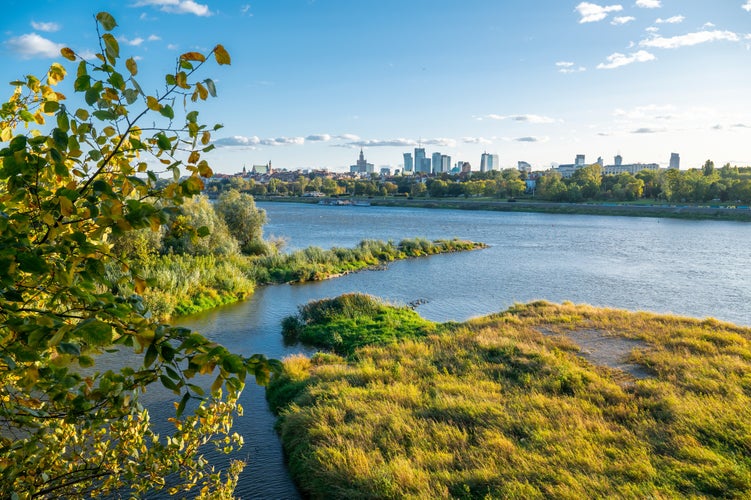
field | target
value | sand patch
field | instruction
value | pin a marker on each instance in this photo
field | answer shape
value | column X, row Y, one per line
column 599, row 348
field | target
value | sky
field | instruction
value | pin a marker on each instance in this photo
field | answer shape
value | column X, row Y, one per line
column 314, row 81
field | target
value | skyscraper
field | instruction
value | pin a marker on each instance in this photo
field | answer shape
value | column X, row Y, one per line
column 437, row 163
column 408, row 165
column 419, row 159
column 489, row 162
column 675, row 161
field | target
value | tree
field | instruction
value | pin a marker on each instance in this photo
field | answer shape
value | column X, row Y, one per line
column 67, row 187
column 244, row 221
column 213, row 237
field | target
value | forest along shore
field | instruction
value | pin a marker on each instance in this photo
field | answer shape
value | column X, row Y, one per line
column 700, row 212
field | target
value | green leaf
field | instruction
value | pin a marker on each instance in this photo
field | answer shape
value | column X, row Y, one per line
column 163, row 141
column 181, row 406
column 203, row 231
column 167, row 112
column 150, row 356
column 168, row 383
column 62, row 120
column 51, row 106
column 94, row 332
column 117, row 81
column 106, row 20
column 31, row 263
column 105, row 115
column 68, row 348
column 210, row 86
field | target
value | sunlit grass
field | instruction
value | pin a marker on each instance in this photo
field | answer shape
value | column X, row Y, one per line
column 503, row 407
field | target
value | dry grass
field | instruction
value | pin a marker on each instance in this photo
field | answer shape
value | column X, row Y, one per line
column 497, row 409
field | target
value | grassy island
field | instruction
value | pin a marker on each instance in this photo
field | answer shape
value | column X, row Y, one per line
column 539, row 401
column 185, row 284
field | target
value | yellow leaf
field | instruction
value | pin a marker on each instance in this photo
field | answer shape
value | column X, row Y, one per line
column 181, row 80
column 221, row 55
column 68, row 54
column 194, row 157
column 152, row 103
column 140, row 285
column 206, row 137
column 66, row 206
column 6, row 134
column 202, row 92
column 132, row 66
column 193, row 56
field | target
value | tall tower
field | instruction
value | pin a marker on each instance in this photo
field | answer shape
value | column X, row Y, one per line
column 675, row 161
column 436, row 163
column 408, row 165
column 618, row 160
column 419, row 159
column 580, row 161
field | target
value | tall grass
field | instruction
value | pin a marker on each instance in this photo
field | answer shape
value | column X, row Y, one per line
column 503, row 407
column 181, row 284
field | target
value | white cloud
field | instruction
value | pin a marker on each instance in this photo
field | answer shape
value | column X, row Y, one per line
column 154, row 38
column 135, row 42
column 648, row 130
column 622, row 20
column 46, row 27
column 689, row 39
column 617, row 59
column 531, row 139
column 318, row 138
column 476, row 140
column 651, row 29
column 568, row 67
column 591, row 12
column 240, row 140
column 521, row 118
column 176, row 6
column 671, row 20
column 348, row 137
column 32, row 45
column 747, row 6
column 649, row 111
column 172, row 46
column 649, row 4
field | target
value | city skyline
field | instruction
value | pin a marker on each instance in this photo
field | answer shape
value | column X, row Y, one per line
column 313, row 82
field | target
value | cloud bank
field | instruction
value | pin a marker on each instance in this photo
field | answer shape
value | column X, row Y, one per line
column 591, row 12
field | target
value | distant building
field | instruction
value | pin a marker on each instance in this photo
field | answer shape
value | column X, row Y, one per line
column 419, row 160
column 489, row 162
column 675, row 161
column 466, row 167
column 580, row 161
column 445, row 163
column 523, row 166
column 362, row 166
column 260, row 169
column 631, row 168
column 386, row 171
column 408, row 165
column 436, row 163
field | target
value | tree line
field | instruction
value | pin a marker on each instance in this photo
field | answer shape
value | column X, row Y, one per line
column 728, row 184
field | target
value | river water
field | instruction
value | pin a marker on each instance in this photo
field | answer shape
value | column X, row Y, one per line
column 693, row 268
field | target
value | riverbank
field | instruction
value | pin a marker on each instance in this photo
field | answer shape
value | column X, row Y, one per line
column 512, row 405
column 183, row 284
column 621, row 209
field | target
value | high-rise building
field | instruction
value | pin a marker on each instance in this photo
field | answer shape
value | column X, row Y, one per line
column 437, row 163
column 523, row 166
column 408, row 165
column 362, row 166
column 445, row 163
column 489, row 162
column 618, row 160
column 420, row 160
column 580, row 161
column 675, row 161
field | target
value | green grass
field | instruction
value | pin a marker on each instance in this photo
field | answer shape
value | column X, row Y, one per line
column 186, row 284
column 503, row 407
column 344, row 323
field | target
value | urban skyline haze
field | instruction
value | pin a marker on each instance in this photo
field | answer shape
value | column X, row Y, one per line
column 314, row 81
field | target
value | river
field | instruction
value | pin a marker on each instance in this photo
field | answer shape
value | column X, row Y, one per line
column 693, row 268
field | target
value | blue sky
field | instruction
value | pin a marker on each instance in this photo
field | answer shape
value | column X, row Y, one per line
column 313, row 81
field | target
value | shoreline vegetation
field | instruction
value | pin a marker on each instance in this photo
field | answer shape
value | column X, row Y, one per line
column 182, row 284
column 518, row 404
column 635, row 209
